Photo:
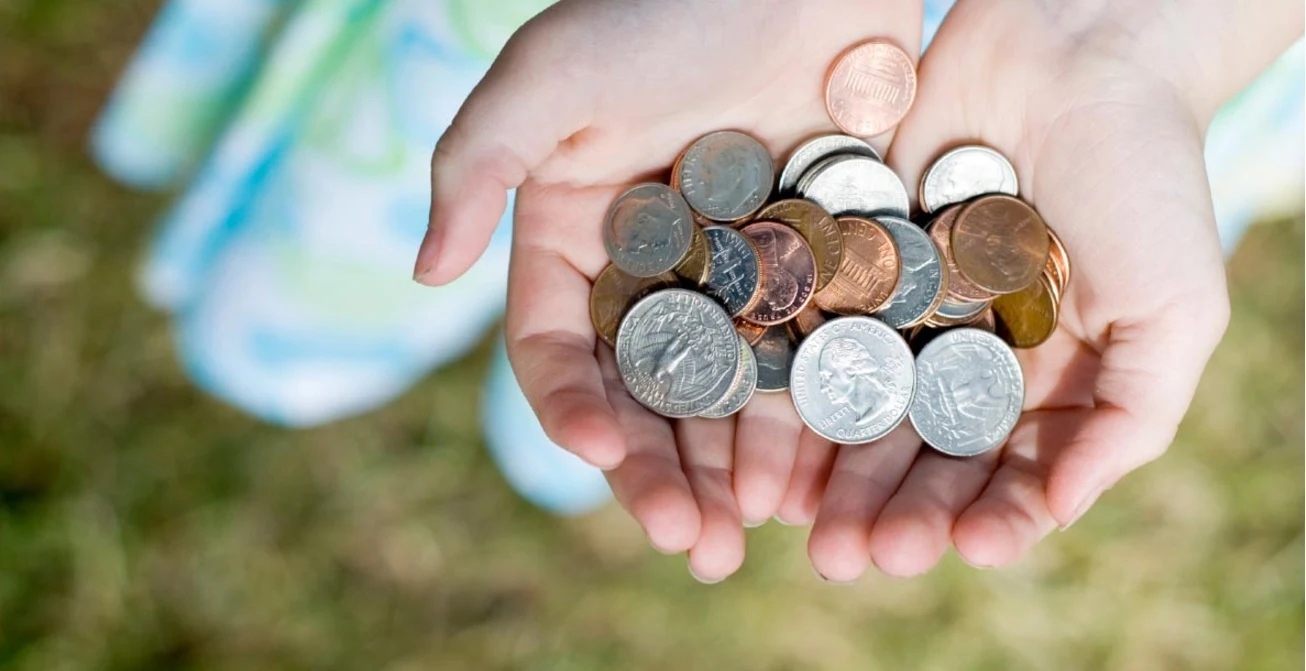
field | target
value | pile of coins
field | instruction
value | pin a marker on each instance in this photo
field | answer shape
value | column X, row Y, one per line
column 730, row 280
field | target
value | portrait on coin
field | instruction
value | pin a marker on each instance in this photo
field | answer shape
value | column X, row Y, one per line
column 848, row 379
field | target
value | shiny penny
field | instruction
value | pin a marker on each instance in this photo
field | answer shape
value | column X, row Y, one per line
column 614, row 292
column 648, row 230
column 959, row 288
column 726, row 176
column 868, row 273
column 1000, row 243
column 734, row 276
column 806, row 321
column 816, row 150
column 749, row 331
column 963, row 173
column 817, row 227
column 969, row 392
column 924, row 282
column 1060, row 258
column 855, row 186
column 775, row 358
column 741, row 390
column 788, row 272
column 1027, row 318
column 870, row 88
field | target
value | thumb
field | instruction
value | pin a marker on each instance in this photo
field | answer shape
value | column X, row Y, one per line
column 512, row 121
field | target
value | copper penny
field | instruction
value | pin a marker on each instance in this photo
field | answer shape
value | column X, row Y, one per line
column 806, row 321
column 696, row 265
column 1000, row 243
column 614, row 292
column 749, row 331
column 870, row 88
column 868, row 273
column 959, row 288
column 789, row 275
column 1059, row 258
column 985, row 320
column 1027, row 318
column 817, row 227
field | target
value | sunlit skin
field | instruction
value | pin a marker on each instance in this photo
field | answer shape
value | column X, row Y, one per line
column 592, row 96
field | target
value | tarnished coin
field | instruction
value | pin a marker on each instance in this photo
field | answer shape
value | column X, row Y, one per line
column 984, row 321
column 677, row 352
column 1027, row 318
column 648, row 230
column 817, row 227
column 1060, row 259
column 816, row 150
column 726, row 175
column 775, row 357
column 749, row 331
column 741, row 389
column 868, row 273
column 614, row 292
column 963, row 173
column 969, row 392
column 697, row 264
column 788, row 272
column 955, row 313
column 870, row 88
column 734, row 279
column 1000, row 243
column 853, row 380
column 924, row 282
column 849, row 185
column 807, row 321
column 959, row 288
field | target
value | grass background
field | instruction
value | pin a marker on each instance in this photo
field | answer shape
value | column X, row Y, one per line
column 143, row 525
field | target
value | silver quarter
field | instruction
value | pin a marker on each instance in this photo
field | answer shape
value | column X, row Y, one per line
column 923, row 280
column 734, row 269
column 741, row 390
column 677, row 352
column 726, row 176
column 775, row 357
column 848, row 185
column 816, row 150
column 648, row 230
column 853, row 380
column 969, row 392
column 966, row 172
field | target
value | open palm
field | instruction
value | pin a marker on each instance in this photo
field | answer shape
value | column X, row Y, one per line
column 1111, row 156
column 586, row 99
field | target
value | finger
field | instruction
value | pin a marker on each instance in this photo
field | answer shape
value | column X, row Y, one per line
column 863, row 479
column 706, row 451
column 511, row 122
column 1012, row 514
column 650, row 483
column 765, row 445
column 1149, row 373
column 915, row 528
column 812, row 467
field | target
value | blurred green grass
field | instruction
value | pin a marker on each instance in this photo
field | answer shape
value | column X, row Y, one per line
column 143, row 525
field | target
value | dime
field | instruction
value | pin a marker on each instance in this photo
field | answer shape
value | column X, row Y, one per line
column 853, row 380
column 870, row 88
column 924, row 282
column 648, row 230
column 741, row 390
column 775, row 357
column 677, row 352
column 788, row 272
column 969, row 392
column 734, row 277
column 1000, row 243
column 856, row 186
column 962, row 174
column 956, row 313
column 816, row 150
column 817, row 227
column 807, row 321
column 868, row 273
column 959, row 288
column 726, row 175
column 614, row 292
column 1060, row 259
column 749, row 331
column 1027, row 318
column 697, row 264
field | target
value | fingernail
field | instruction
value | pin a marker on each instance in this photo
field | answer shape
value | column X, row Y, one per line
column 753, row 525
column 781, row 520
column 427, row 255
column 1084, row 506
column 700, row 578
column 828, row 581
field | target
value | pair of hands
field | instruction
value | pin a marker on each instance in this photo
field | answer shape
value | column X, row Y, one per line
column 593, row 95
